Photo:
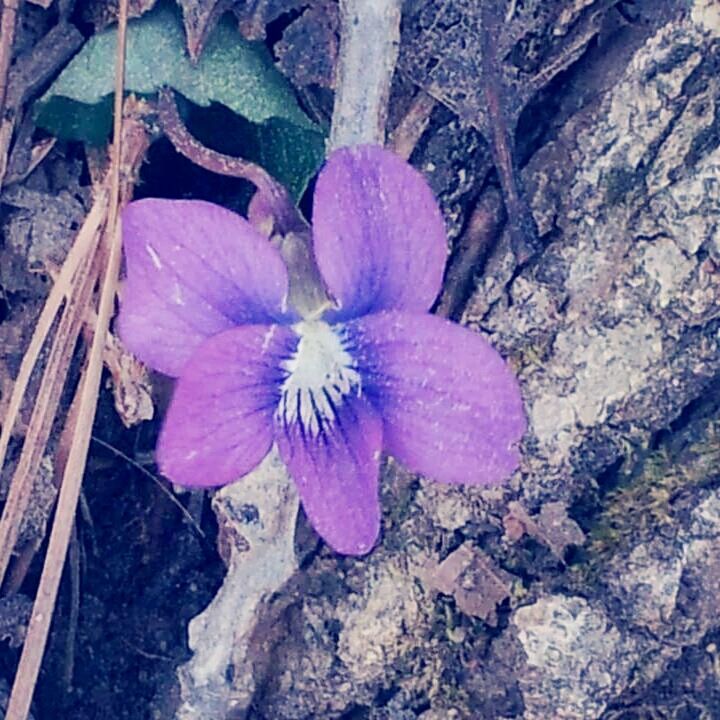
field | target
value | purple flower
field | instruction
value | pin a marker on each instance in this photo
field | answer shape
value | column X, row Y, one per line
column 208, row 300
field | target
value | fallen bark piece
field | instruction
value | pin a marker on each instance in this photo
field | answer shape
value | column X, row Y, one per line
column 474, row 580
column 551, row 526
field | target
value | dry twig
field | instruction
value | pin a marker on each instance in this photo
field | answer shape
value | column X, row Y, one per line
column 38, row 628
column 28, row 75
column 410, row 129
column 369, row 43
column 8, row 21
column 472, row 249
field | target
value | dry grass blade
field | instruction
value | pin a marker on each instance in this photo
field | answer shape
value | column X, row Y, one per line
column 39, row 626
column 61, row 290
column 45, row 407
column 8, row 21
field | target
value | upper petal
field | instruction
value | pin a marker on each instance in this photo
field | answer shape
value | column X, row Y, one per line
column 336, row 472
column 451, row 407
column 219, row 425
column 378, row 235
column 193, row 269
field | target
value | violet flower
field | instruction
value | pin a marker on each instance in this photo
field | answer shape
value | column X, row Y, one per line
column 207, row 300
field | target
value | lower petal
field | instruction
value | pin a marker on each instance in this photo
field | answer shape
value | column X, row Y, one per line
column 450, row 405
column 336, row 472
column 219, row 425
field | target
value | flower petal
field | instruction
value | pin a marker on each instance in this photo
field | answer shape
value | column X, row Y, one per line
column 378, row 234
column 194, row 269
column 336, row 473
column 450, row 405
column 219, row 425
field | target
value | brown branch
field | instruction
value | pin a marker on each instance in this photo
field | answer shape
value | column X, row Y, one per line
column 8, row 21
column 501, row 126
column 30, row 72
column 483, row 227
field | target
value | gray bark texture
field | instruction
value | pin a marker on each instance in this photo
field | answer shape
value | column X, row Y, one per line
column 587, row 586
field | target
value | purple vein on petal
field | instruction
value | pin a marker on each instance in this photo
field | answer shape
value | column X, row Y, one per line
column 336, row 473
column 193, row 269
column 220, row 423
column 451, row 407
column 378, row 235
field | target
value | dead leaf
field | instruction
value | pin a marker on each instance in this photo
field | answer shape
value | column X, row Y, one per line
column 486, row 60
column 309, row 46
column 255, row 15
column 101, row 13
column 131, row 386
column 199, row 18
column 45, row 226
column 446, row 47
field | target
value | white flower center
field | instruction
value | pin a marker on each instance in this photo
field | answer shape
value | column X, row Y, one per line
column 321, row 374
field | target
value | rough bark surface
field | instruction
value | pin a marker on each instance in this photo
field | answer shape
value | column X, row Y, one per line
column 591, row 578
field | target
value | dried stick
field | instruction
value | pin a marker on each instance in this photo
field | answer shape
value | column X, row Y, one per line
column 44, row 410
column 410, row 129
column 30, row 72
column 521, row 224
column 39, row 625
column 473, row 247
column 8, row 21
column 369, row 44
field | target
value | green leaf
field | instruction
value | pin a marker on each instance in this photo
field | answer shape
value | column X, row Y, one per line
column 231, row 71
column 294, row 153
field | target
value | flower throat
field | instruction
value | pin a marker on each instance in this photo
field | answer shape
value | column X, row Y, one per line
column 320, row 375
